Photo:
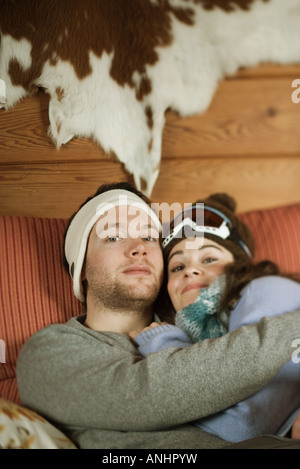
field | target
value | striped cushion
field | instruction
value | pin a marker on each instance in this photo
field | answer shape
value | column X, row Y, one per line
column 36, row 291
column 277, row 235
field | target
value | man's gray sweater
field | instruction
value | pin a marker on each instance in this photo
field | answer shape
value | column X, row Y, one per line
column 99, row 390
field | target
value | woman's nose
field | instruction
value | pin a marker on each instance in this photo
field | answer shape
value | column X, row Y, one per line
column 192, row 270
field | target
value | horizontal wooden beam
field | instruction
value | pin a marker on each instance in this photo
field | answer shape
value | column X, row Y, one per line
column 247, row 143
column 57, row 190
column 248, row 115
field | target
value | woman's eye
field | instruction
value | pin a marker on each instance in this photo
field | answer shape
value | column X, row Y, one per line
column 209, row 260
column 177, row 268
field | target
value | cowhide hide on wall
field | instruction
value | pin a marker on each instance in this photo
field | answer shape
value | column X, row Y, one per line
column 113, row 67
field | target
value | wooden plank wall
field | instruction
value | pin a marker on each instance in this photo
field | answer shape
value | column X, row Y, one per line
column 247, row 143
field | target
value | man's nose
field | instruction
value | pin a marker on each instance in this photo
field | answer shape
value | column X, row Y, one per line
column 137, row 247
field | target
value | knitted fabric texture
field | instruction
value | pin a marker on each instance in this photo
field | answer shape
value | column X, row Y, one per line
column 199, row 320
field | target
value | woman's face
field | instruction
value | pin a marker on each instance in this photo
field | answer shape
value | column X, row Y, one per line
column 194, row 264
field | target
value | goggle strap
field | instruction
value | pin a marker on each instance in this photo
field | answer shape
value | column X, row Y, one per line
column 222, row 232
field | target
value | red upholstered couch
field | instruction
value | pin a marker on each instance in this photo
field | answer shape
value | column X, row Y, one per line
column 36, row 291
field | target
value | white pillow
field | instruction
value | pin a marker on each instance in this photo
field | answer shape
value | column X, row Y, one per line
column 21, row 428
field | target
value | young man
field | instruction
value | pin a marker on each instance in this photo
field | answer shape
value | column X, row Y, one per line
column 88, row 377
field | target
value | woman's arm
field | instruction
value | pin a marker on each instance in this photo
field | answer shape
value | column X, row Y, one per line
column 158, row 337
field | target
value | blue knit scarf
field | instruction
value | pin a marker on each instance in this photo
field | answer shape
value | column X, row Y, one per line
column 199, row 320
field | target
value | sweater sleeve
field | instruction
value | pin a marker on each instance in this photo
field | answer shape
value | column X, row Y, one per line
column 161, row 337
column 271, row 410
column 265, row 296
column 78, row 377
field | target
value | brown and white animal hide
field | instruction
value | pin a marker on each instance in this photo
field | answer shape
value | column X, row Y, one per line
column 113, row 67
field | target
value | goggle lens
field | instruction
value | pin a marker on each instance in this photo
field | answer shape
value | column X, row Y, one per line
column 200, row 216
column 196, row 220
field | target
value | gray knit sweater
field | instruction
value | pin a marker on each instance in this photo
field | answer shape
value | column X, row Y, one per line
column 101, row 392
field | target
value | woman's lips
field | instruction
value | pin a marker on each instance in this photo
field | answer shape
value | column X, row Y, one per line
column 193, row 286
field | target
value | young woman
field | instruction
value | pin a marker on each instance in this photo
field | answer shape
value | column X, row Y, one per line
column 214, row 286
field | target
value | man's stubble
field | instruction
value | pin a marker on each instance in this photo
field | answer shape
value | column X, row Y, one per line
column 112, row 294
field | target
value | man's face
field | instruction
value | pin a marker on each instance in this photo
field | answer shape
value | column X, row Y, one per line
column 124, row 263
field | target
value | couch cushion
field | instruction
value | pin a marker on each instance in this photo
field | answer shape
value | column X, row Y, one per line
column 277, row 235
column 36, row 291
column 21, row 428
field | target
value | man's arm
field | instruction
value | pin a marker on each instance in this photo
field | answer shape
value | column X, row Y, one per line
column 77, row 376
column 296, row 428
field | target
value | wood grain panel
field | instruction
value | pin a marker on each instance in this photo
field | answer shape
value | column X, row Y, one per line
column 53, row 190
column 251, row 117
column 24, row 136
column 57, row 190
column 254, row 182
column 246, row 116
column 267, row 70
column 247, row 143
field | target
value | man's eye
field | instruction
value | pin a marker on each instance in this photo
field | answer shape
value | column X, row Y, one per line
column 149, row 238
column 149, row 235
column 113, row 239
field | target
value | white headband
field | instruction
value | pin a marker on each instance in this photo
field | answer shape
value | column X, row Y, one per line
column 83, row 222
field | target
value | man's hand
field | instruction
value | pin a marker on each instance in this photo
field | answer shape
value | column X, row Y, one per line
column 296, row 428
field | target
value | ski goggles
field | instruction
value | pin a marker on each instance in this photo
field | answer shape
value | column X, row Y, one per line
column 199, row 219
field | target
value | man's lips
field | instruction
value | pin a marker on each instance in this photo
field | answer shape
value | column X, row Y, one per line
column 137, row 270
column 193, row 286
